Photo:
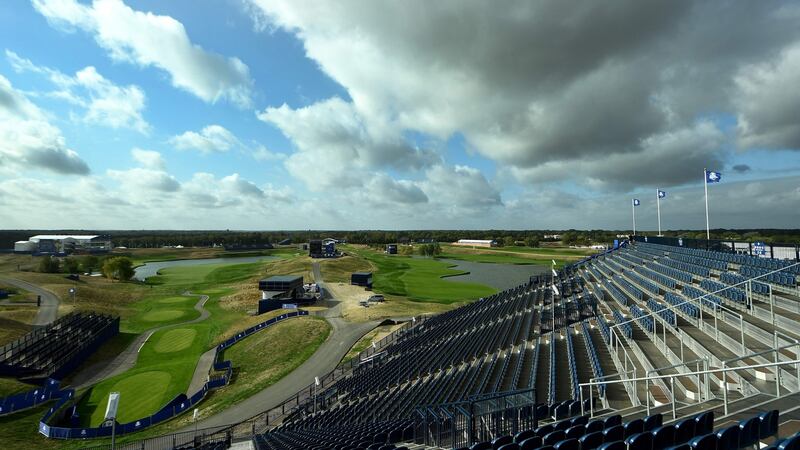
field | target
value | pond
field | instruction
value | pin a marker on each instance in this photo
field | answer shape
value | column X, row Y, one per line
column 151, row 268
column 499, row 276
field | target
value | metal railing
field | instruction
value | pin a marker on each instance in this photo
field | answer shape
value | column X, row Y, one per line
column 479, row 418
column 671, row 377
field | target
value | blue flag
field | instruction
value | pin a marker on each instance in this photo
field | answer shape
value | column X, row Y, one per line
column 662, row 194
column 636, row 202
column 713, row 177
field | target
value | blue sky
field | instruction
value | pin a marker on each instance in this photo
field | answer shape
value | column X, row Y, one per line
column 256, row 114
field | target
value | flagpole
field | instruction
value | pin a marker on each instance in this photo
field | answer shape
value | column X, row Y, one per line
column 658, row 208
column 705, row 185
column 633, row 210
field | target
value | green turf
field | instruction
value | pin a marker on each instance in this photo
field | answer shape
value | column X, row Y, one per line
column 162, row 315
column 501, row 258
column 140, row 395
column 420, row 279
column 176, row 350
column 175, row 340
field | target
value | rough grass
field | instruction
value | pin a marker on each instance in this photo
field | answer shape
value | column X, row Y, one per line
column 338, row 270
column 265, row 357
column 11, row 386
column 514, row 255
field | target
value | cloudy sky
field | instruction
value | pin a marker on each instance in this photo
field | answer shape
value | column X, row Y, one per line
column 272, row 114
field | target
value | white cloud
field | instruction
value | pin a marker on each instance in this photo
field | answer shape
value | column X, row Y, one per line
column 105, row 103
column 148, row 39
column 148, row 159
column 29, row 141
column 262, row 153
column 211, row 139
column 768, row 100
column 551, row 84
column 333, row 141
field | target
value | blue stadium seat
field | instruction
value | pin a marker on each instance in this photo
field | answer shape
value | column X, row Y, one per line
column 614, row 433
column 591, row 441
column 531, row 443
column 663, row 437
column 640, row 441
column 704, row 442
column 653, row 421
column 768, row 425
column 684, row 430
column 635, row 426
column 500, row 441
column 749, row 431
column 728, row 437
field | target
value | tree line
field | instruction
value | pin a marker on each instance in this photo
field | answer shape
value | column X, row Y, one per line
column 112, row 267
column 200, row 238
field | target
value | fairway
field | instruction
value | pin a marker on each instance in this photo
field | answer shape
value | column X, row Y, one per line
column 162, row 315
column 175, row 340
column 420, row 279
column 169, row 300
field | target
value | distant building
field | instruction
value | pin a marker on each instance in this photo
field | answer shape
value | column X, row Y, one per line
column 391, row 249
column 554, row 237
column 361, row 279
column 325, row 248
column 476, row 243
column 64, row 243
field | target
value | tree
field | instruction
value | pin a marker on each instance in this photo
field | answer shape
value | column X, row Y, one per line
column 532, row 242
column 49, row 264
column 405, row 250
column 119, row 268
column 70, row 265
column 508, row 241
column 89, row 263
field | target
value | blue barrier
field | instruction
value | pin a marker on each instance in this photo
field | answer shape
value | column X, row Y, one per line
column 25, row 400
column 174, row 407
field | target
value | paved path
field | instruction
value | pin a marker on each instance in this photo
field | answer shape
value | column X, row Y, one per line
column 127, row 359
column 342, row 337
column 48, row 311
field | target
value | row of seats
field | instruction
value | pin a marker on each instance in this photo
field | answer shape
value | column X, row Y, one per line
column 649, row 433
column 665, row 313
column 688, row 308
column 644, row 319
column 781, row 278
column 709, row 300
column 616, row 294
column 658, row 277
column 647, row 285
column 686, row 267
column 731, row 293
column 594, row 359
column 699, row 261
column 624, row 325
column 630, row 288
column 734, row 278
column 573, row 366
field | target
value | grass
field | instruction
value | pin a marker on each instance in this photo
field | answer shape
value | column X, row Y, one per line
column 419, row 279
column 143, row 255
column 514, row 255
column 338, row 270
column 11, row 386
column 281, row 348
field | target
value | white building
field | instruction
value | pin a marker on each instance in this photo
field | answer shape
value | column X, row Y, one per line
column 476, row 243
column 63, row 243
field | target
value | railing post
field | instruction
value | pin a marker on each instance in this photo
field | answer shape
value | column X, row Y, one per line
column 724, row 388
column 777, row 375
column 672, row 389
column 646, row 394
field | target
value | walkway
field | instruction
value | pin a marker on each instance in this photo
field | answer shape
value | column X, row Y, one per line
column 48, row 311
column 127, row 359
column 341, row 339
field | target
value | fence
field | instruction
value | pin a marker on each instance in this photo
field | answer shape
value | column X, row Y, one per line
column 773, row 251
column 301, row 402
column 48, row 391
column 477, row 419
column 176, row 406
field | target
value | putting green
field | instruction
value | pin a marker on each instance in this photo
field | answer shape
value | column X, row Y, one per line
column 140, row 395
column 175, row 340
column 175, row 299
column 162, row 315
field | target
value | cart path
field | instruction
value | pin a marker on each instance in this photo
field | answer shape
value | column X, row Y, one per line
column 126, row 360
column 341, row 339
column 48, row 311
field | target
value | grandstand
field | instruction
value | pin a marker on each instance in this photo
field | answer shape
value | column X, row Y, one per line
column 54, row 350
column 648, row 333
column 646, row 346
